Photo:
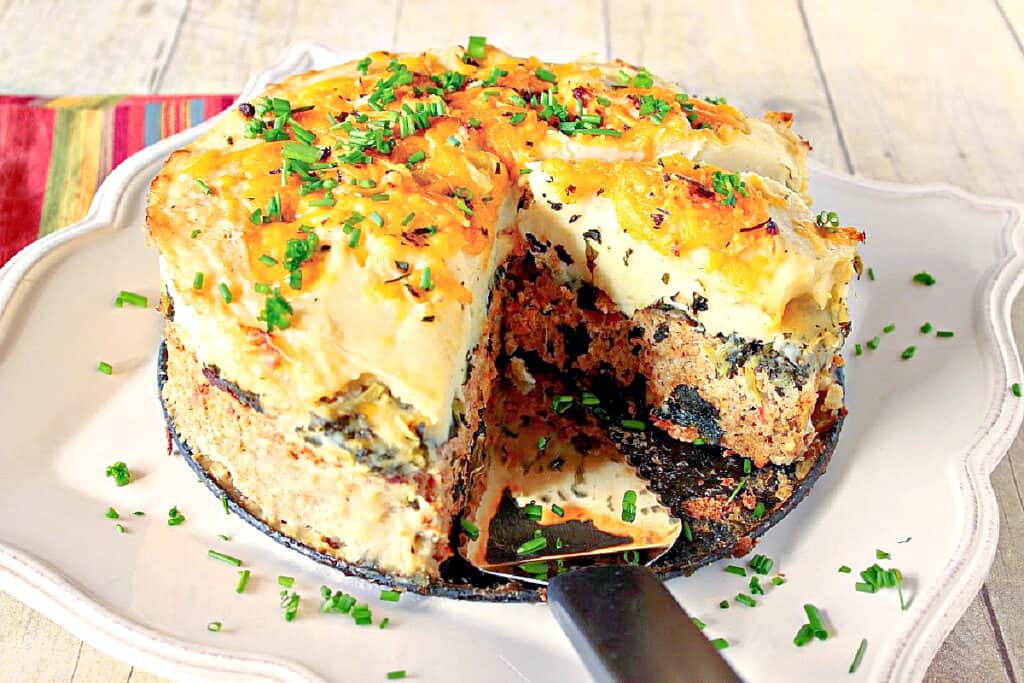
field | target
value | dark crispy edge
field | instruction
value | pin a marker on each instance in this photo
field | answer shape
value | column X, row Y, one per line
column 496, row 589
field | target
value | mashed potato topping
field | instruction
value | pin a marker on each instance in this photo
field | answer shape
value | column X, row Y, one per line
column 348, row 225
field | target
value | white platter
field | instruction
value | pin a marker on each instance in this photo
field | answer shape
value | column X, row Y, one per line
column 913, row 461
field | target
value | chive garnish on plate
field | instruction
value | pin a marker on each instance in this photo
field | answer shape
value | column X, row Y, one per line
column 227, row 559
column 120, row 473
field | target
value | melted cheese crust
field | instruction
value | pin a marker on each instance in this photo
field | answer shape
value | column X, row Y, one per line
column 407, row 241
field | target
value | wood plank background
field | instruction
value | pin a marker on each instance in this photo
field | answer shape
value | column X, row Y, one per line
column 905, row 90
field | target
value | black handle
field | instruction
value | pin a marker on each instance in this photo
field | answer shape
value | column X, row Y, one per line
column 628, row 627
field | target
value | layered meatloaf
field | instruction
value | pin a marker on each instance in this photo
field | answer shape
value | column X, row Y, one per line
column 346, row 256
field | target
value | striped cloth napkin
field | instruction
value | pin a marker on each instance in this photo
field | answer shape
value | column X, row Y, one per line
column 55, row 152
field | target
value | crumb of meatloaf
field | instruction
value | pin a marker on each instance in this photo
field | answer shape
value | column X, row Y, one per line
column 307, row 493
column 743, row 396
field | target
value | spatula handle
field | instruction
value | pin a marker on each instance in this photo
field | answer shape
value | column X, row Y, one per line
column 627, row 627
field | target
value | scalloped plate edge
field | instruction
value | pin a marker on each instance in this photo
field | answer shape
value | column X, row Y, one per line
column 57, row 597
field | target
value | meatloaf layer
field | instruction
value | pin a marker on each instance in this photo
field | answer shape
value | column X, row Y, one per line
column 337, row 487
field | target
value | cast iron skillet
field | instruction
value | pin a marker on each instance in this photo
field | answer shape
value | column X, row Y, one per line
column 679, row 474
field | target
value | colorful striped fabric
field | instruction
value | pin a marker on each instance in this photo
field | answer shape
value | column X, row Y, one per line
column 55, row 152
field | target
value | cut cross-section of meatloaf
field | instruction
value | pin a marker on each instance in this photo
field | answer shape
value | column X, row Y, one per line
column 720, row 290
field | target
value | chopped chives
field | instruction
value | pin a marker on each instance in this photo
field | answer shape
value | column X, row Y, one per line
column 719, row 643
column 119, row 471
column 561, row 403
column 857, row 350
column 408, row 219
column 417, row 157
column 367, row 183
column 224, row 503
column 453, row 141
column 633, row 425
column 243, row 581
column 380, row 197
column 724, row 604
column 111, row 513
column 353, row 238
column 390, row 596
column 214, row 626
column 758, row 510
column 377, row 219
column 871, row 273
column 525, row 171
column 889, row 328
column 426, row 284
column 301, row 151
column 546, row 75
column 855, row 664
column 532, row 546
column 395, row 675
column 105, row 368
column 944, row 334
column 326, row 200
column 755, row 586
column 865, row 588
column 735, row 491
column 267, row 260
column 290, row 604
column 803, row 636
column 874, row 342
column 223, row 537
column 533, row 511
column 845, row 569
column 629, row 506
column 131, row 298
column 233, row 561
column 557, row 510
column 139, row 513
column 924, row 278
column 384, row 622
column 471, row 529
column 120, row 528
column 203, row 186
column 778, row 580
column 517, row 118
column 174, row 518
column 1015, row 389
column 738, row 571
column 762, row 564
column 195, row 233
column 476, row 47
column 814, row 621
column 687, row 532
column 908, row 352
column 225, row 293
column 745, row 599
column 286, row 581
column 698, row 623
column 746, row 466
column 699, row 441
column 882, row 555
column 926, row 328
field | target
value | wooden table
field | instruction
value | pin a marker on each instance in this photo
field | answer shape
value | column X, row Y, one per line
column 893, row 89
